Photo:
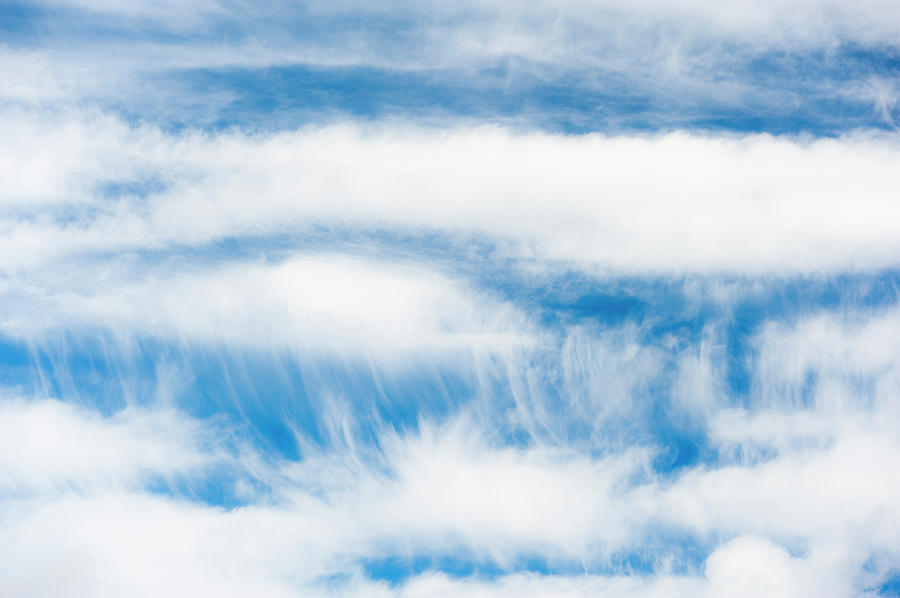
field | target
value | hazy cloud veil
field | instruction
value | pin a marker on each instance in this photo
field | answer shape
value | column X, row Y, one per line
column 477, row 298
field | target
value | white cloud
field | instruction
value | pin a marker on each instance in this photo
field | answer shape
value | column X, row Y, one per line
column 693, row 55
column 844, row 364
column 47, row 446
column 802, row 500
column 445, row 491
column 749, row 566
column 311, row 305
column 648, row 203
column 449, row 498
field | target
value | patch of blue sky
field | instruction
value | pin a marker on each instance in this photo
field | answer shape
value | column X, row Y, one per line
column 274, row 398
column 891, row 586
column 30, row 24
column 663, row 552
column 682, row 444
column 397, row 569
column 879, row 576
column 282, row 24
column 224, row 487
column 21, row 23
column 91, row 370
column 279, row 401
column 135, row 188
column 776, row 94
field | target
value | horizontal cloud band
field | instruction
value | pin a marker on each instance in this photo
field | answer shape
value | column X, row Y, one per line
column 655, row 203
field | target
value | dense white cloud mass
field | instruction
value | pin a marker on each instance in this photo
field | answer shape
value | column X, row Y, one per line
column 655, row 203
column 50, row 445
column 417, row 299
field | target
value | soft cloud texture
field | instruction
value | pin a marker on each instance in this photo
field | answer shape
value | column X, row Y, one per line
column 656, row 203
column 410, row 299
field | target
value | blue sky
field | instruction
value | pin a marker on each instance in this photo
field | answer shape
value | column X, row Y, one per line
column 424, row 299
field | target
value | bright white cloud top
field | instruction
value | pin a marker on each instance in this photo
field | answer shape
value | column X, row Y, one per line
column 485, row 299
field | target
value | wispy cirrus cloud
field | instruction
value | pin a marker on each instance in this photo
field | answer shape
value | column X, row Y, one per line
column 413, row 299
column 575, row 66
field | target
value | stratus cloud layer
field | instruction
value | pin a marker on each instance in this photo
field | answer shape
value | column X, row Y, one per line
column 652, row 203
